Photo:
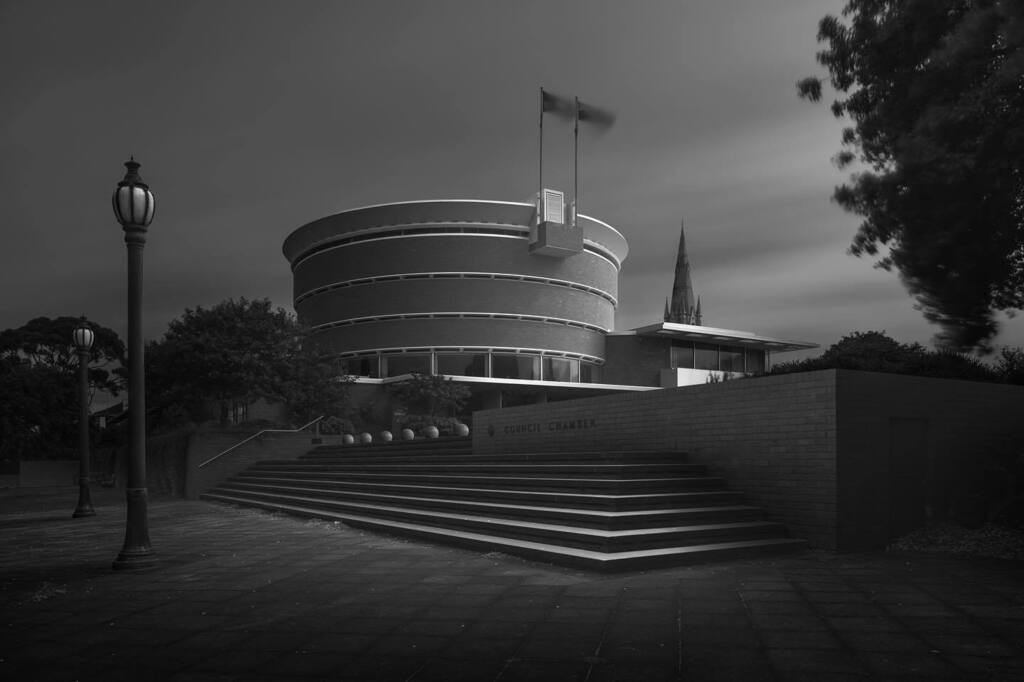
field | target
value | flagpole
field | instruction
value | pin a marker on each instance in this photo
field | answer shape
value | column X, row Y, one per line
column 540, row 164
column 576, row 164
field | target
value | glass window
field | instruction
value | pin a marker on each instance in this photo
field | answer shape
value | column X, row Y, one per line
column 462, row 364
column 705, row 356
column 561, row 369
column 731, row 359
column 755, row 360
column 507, row 366
column 361, row 366
column 682, row 354
column 406, row 363
column 590, row 373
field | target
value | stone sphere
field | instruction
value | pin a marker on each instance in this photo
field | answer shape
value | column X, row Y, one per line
column 461, row 430
column 431, row 432
column 386, row 436
column 365, row 438
column 347, row 439
column 407, row 434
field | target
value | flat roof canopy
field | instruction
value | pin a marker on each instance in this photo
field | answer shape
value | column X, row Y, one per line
column 692, row 332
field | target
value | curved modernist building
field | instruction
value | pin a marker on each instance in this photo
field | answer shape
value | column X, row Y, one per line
column 482, row 292
column 457, row 288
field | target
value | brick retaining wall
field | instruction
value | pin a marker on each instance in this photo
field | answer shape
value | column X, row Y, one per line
column 774, row 438
column 847, row 460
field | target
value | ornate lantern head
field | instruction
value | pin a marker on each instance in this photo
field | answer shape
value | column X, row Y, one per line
column 83, row 336
column 133, row 202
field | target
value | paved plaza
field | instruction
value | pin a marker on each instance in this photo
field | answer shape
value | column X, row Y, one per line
column 244, row 595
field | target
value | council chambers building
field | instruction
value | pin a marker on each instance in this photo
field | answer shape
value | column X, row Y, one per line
column 512, row 299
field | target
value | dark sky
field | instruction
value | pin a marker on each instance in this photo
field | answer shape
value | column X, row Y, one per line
column 253, row 118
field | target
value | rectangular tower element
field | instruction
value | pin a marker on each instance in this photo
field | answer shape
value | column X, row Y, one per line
column 551, row 236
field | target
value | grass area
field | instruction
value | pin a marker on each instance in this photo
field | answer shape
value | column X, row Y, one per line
column 989, row 540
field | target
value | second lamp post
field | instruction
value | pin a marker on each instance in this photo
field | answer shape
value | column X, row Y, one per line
column 83, row 337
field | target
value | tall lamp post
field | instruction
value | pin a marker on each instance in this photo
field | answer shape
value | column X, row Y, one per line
column 83, row 337
column 133, row 206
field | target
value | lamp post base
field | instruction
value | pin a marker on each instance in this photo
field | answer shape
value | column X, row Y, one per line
column 137, row 552
column 134, row 560
column 84, row 507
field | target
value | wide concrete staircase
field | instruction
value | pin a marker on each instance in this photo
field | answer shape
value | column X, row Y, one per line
column 603, row 511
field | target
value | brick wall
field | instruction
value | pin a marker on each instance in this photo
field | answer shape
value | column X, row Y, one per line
column 207, row 444
column 773, row 438
column 914, row 450
column 847, row 460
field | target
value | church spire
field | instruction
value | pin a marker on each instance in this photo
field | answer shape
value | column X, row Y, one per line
column 683, row 309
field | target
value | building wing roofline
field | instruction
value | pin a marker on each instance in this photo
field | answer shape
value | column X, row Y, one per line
column 693, row 332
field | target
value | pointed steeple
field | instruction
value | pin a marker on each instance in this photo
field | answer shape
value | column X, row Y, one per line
column 683, row 309
column 668, row 312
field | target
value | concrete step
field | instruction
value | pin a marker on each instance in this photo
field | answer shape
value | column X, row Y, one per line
column 553, row 482
column 388, row 453
column 566, row 535
column 591, row 518
column 600, row 510
column 636, row 559
column 591, row 469
column 582, row 500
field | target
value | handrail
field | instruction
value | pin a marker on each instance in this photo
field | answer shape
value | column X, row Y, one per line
column 257, row 435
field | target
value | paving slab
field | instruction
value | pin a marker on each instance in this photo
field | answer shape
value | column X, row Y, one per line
column 246, row 595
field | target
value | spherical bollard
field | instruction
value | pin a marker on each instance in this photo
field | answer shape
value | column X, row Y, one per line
column 431, row 432
column 386, row 436
column 347, row 439
column 365, row 438
column 461, row 430
column 407, row 434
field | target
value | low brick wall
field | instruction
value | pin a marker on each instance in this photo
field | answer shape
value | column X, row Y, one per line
column 774, row 438
column 847, row 460
column 207, row 444
column 915, row 450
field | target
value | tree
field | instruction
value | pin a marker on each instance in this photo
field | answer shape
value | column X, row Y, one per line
column 47, row 342
column 935, row 93
column 874, row 351
column 39, row 380
column 314, row 387
column 431, row 397
column 237, row 351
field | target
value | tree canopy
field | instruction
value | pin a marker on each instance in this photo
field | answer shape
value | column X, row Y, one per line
column 431, row 396
column 45, row 342
column 39, row 385
column 237, row 350
column 934, row 90
column 874, row 351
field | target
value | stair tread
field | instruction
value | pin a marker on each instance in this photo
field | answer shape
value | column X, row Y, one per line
column 549, row 527
column 628, row 513
column 575, row 479
column 556, row 550
column 511, row 491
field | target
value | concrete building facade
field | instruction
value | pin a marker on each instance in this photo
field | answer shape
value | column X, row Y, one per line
column 484, row 292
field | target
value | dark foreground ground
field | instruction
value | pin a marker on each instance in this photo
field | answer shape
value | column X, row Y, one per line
column 242, row 595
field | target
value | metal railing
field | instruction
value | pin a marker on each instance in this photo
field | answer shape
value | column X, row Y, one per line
column 257, row 435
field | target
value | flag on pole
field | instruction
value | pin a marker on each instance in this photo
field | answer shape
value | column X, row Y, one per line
column 555, row 104
column 602, row 118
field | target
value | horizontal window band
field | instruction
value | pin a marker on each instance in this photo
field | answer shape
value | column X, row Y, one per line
column 441, row 350
column 448, row 231
column 459, row 316
column 457, row 275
